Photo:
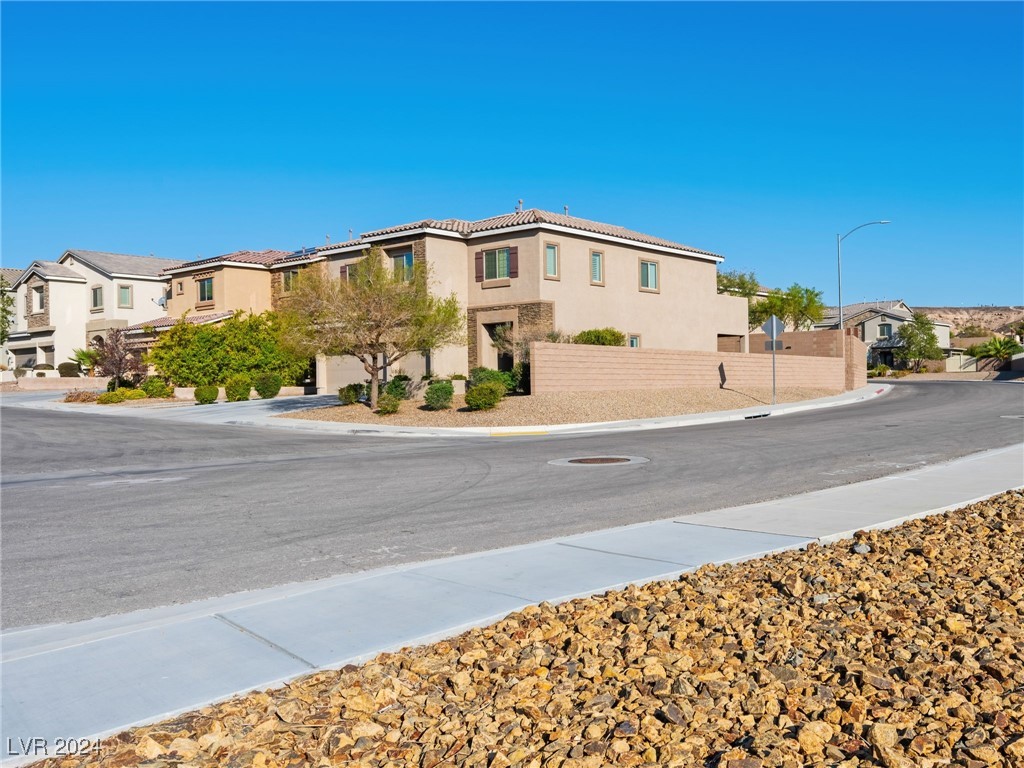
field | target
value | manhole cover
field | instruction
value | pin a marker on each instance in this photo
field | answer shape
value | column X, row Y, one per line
column 598, row 461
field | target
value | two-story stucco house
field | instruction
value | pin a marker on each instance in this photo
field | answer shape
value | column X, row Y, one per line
column 876, row 324
column 65, row 304
column 248, row 281
column 538, row 271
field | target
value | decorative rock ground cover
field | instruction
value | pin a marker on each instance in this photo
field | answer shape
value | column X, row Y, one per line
column 899, row 648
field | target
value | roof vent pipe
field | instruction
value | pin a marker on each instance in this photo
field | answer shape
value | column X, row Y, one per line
column 566, row 207
column 519, row 207
column 350, row 233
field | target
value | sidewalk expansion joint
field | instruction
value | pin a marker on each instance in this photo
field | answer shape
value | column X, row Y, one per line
column 626, row 554
column 799, row 536
column 265, row 641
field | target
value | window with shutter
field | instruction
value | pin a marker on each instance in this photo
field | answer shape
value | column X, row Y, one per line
column 478, row 264
column 496, row 263
column 343, row 272
column 596, row 268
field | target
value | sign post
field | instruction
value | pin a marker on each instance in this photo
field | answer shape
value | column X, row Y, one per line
column 773, row 329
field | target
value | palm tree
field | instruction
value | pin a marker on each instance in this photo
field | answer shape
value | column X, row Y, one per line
column 1001, row 349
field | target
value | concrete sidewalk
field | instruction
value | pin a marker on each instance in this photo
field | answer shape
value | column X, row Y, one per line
column 97, row 677
column 264, row 413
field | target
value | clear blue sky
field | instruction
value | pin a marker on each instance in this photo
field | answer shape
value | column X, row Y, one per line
column 755, row 130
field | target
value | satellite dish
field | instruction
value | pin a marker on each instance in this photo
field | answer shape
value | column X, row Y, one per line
column 161, row 302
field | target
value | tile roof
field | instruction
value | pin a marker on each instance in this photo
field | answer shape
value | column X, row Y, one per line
column 52, row 269
column 263, row 258
column 166, row 321
column 849, row 310
column 524, row 218
column 11, row 274
column 123, row 263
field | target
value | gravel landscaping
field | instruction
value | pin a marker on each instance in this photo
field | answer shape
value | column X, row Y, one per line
column 899, row 648
column 568, row 407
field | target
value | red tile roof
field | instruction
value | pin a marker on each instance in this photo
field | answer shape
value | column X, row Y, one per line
column 264, row 258
column 533, row 216
column 166, row 322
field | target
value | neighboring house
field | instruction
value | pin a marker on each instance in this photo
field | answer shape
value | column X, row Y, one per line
column 876, row 323
column 250, row 281
column 64, row 305
column 11, row 276
column 539, row 272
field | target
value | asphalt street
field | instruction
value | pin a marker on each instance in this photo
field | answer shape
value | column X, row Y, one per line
column 107, row 514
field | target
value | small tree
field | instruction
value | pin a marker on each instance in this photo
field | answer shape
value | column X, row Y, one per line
column 737, row 283
column 797, row 306
column 377, row 315
column 6, row 309
column 917, row 342
column 117, row 358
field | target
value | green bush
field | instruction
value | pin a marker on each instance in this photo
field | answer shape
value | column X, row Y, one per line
column 604, row 337
column 351, row 393
column 237, row 388
column 43, row 367
column 388, row 404
column 396, row 386
column 457, row 377
column 120, row 384
column 117, row 396
column 267, row 385
column 485, row 396
column 155, row 387
column 133, row 394
column 68, row 370
column 439, row 395
column 479, row 376
column 19, row 372
column 206, row 394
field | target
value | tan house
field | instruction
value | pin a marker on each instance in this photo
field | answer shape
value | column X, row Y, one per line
column 538, row 271
column 63, row 305
column 250, row 281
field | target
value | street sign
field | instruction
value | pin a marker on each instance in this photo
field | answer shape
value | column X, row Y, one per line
column 771, row 346
column 773, row 328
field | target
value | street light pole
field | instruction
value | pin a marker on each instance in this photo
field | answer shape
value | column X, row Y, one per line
column 839, row 261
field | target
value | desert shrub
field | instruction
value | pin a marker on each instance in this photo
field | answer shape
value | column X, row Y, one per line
column 19, row 372
column 81, row 396
column 485, row 396
column 267, row 385
column 119, row 384
column 479, row 376
column 133, row 394
column 604, row 337
column 44, row 367
column 40, row 374
column 439, row 395
column 155, row 387
column 388, row 404
column 396, row 386
column 882, row 369
column 237, row 388
column 206, row 394
column 68, row 370
column 108, row 398
column 521, row 376
column 351, row 393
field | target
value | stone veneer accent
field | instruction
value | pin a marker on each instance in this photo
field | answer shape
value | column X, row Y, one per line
column 419, row 251
column 38, row 319
column 531, row 316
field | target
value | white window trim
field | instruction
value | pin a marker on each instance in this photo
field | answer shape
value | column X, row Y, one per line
column 131, row 296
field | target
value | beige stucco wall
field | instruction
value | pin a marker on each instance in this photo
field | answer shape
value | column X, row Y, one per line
column 686, row 312
column 577, row 367
column 450, row 272
column 234, row 288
